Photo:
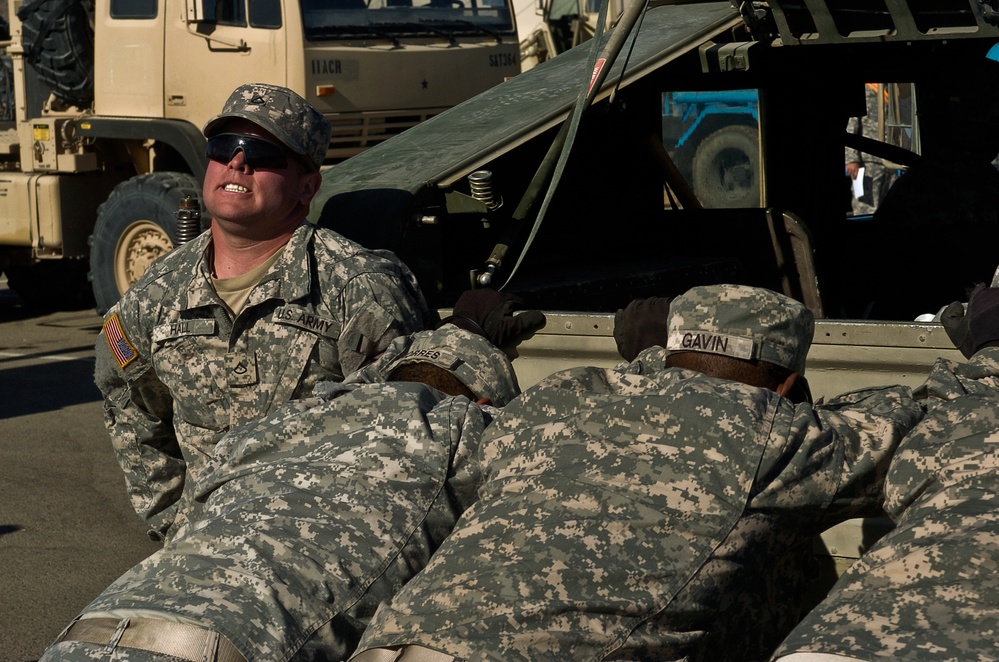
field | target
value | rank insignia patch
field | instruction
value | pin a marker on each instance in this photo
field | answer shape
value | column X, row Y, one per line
column 124, row 352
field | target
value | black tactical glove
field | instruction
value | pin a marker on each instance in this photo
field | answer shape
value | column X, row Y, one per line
column 955, row 323
column 641, row 325
column 491, row 313
column 978, row 327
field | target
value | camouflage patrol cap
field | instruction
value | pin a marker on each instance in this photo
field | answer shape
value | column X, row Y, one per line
column 476, row 362
column 292, row 119
column 742, row 322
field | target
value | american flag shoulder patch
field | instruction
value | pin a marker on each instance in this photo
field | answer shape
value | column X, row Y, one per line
column 121, row 347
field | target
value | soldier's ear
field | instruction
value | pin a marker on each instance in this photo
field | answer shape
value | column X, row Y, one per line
column 784, row 389
column 795, row 388
column 483, row 401
column 309, row 187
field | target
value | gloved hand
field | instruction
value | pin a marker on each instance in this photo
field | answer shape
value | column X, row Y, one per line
column 955, row 323
column 977, row 327
column 491, row 313
column 641, row 325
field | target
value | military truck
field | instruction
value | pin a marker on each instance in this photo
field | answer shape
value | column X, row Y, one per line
column 581, row 213
column 564, row 24
column 103, row 102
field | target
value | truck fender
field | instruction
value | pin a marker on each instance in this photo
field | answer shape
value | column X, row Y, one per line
column 185, row 138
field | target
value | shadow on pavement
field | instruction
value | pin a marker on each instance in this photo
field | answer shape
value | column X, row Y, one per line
column 46, row 387
column 13, row 308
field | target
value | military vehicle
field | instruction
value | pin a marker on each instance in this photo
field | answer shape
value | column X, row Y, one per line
column 557, row 184
column 564, row 24
column 471, row 195
column 102, row 104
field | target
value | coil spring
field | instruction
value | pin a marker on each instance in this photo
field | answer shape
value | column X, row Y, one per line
column 188, row 219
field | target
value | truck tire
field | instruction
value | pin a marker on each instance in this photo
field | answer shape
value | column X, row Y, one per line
column 59, row 44
column 135, row 225
column 726, row 168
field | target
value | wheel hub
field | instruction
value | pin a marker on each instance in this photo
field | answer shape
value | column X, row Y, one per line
column 139, row 246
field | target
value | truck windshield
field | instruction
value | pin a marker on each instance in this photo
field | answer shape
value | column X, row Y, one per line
column 345, row 19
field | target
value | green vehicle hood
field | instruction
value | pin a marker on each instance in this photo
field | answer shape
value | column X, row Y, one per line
column 451, row 145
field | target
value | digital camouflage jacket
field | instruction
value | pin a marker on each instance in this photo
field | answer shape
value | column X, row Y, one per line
column 644, row 513
column 929, row 589
column 177, row 370
column 312, row 516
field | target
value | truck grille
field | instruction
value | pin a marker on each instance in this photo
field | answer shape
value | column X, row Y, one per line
column 352, row 135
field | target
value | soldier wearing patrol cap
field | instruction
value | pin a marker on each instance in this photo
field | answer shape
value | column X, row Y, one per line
column 657, row 510
column 312, row 515
column 254, row 312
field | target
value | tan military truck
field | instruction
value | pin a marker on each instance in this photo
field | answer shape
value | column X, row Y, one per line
column 103, row 102
column 581, row 220
column 564, row 24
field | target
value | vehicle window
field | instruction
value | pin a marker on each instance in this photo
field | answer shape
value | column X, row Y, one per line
column 133, row 8
column 226, row 12
column 911, row 203
column 714, row 140
column 342, row 19
column 265, row 13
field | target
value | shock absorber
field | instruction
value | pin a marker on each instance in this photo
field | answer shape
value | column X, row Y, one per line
column 480, row 183
column 188, row 219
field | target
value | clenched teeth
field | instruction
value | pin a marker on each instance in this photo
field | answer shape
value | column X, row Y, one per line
column 236, row 188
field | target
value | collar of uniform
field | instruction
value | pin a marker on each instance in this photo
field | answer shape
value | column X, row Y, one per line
column 985, row 363
column 649, row 360
column 196, row 293
column 289, row 278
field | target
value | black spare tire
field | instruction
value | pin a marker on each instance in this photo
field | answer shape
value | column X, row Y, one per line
column 58, row 38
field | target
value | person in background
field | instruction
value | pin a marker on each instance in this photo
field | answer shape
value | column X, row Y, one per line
column 877, row 177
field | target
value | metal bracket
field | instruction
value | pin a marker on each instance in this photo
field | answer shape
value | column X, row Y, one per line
column 725, row 57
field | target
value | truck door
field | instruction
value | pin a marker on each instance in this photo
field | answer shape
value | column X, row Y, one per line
column 213, row 46
column 128, row 49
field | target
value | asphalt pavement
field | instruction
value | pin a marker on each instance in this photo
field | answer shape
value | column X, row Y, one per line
column 66, row 528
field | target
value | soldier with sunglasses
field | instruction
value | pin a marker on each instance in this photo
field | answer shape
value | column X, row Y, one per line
column 253, row 313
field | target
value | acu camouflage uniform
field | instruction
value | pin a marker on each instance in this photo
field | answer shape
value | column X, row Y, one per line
column 178, row 369
column 647, row 512
column 928, row 590
column 318, row 512
column 185, row 371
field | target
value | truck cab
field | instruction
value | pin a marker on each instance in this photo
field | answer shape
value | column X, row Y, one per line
column 102, row 104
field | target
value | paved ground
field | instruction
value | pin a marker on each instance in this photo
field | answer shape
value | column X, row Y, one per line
column 66, row 529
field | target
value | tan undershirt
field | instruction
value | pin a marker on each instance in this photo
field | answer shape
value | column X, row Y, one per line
column 236, row 290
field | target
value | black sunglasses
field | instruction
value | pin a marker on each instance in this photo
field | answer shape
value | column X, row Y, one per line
column 257, row 152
